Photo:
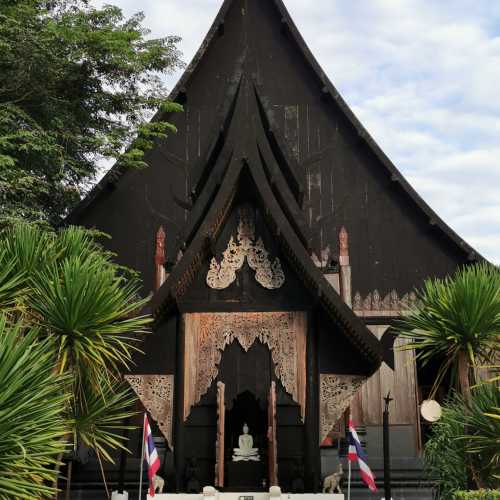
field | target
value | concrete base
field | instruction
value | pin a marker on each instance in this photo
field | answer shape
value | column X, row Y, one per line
column 249, row 496
column 119, row 496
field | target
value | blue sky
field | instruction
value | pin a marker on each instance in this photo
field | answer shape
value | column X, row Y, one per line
column 423, row 76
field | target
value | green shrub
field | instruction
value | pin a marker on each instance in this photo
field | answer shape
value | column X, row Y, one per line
column 477, row 495
column 466, row 437
column 444, row 455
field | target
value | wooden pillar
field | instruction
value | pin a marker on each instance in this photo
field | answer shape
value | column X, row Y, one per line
column 271, row 436
column 179, row 424
column 160, row 274
column 345, row 268
column 312, row 451
column 221, row 423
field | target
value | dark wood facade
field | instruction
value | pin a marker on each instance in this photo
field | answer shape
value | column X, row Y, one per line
column 263, row 127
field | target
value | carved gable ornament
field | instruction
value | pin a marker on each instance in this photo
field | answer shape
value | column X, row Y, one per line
column 269, row 274
column 156, row 393
column 336, row 394
column 208, row 334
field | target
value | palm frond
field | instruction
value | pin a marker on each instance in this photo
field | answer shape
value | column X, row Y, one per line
column 32, row 406
column 12, row 282
column 89, row 311
column 99, row 415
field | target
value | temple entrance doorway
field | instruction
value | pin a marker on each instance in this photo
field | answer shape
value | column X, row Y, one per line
column 246, row 408
column 246, row 444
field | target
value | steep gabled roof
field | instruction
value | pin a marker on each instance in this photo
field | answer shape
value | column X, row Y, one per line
column 330, row 93
column 246, row 149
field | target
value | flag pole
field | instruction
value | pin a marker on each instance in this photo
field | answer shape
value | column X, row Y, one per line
column 348, row 459
column 142, row 456
column 349, row 481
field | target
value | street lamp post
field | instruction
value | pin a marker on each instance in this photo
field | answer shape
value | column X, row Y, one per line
column 387, row 460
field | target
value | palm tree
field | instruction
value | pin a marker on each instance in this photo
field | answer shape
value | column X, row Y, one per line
column 457, row 321
column 69, row 288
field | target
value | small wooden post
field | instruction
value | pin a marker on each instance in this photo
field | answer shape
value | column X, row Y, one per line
column 221, row 417
column 160, row 258
column 345, row 268
column 271, row 436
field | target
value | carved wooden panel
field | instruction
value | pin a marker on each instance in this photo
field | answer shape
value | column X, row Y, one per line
column 336, row 394
column 219, row 447
column 156, row 393
column 271, row 437
column 208, row 334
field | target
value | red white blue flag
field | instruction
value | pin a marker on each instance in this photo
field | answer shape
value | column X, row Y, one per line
column 356, row 452
column 150, row 455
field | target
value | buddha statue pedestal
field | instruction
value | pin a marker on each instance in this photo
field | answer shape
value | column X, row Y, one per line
column 245, row 476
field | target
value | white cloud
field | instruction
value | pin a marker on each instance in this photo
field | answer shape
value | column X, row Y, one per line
column 421, row 75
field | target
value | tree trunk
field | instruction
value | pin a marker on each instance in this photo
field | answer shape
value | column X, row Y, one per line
column 68, row 480
column 464, row 388
column 57, row 469
column 463, row 376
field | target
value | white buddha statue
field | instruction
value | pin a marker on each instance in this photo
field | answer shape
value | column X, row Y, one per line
column 246, row 451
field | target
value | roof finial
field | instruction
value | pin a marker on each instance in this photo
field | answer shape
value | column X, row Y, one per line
column 344, row 243
column 160, row 247
column 160, row 258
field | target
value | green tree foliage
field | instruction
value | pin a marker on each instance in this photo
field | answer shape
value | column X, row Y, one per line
column 83, row 311
column 77, row 85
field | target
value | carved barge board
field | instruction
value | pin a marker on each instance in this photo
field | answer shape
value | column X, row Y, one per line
column 206, row 335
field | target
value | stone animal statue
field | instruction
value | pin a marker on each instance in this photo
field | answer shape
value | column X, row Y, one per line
column 332, row 482
column 158, row 484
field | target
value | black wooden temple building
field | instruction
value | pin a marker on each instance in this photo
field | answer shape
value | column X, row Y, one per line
column 279, row 244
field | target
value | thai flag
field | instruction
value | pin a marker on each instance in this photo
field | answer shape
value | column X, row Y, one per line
column 150, row 455
column 356, row 452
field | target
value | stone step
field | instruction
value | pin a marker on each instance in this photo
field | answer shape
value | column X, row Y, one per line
column 397, row 494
